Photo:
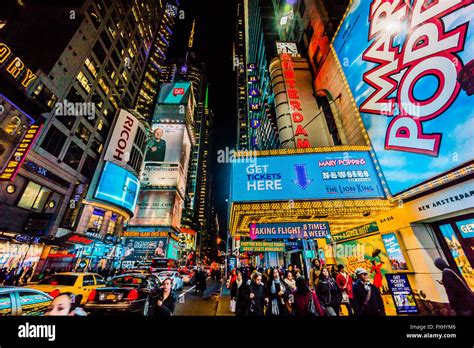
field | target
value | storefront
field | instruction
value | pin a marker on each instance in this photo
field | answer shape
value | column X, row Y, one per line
column 20, row 251
column 438, row 224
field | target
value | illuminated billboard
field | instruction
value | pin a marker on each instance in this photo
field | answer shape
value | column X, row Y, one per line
column 332, row 175
column 166, row 143
column 172, row 252
column 174, row 93
column 157, row 208
column 407, row 79
column 118, row 186
column 138, row 249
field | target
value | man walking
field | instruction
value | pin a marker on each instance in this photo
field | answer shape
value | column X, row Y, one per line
column 367, row 299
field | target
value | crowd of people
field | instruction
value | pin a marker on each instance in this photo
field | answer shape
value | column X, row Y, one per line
column 281, row 292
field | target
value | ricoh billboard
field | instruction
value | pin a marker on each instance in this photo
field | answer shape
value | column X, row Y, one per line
column 404, row 62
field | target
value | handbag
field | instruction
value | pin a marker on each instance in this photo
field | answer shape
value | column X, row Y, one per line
column 233, row 305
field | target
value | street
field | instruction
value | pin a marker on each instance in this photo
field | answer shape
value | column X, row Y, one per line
column 191, row 305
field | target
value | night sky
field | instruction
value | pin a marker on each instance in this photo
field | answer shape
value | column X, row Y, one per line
column 213, row 40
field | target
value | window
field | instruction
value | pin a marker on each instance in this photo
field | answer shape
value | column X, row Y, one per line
column 109, row 69
column 103, row 129
column 99, row 51
column 97, row 146
column 116, row 58
column 89, row 167
column 112, row 224
column 83, row 133
column 34, row 197
column 5, row 305
column 84, row 82
column 99, row 280
column 88, row 280
column 111, row 29
column 33, row 303
column 54, row 141
column 105, row 88
column 74, row 96
column 73, row 155
column 94, row 17
column 59, row 279
column 105, row 39
column 95, row 223
column 91, row 66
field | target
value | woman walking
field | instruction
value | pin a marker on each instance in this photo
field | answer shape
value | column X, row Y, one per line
column 278, row 295
column 329, row 294
column 306, row 303
column 344, row 281
column 257, row 296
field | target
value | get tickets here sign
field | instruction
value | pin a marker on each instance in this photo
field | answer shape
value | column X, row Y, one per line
column 334, row 175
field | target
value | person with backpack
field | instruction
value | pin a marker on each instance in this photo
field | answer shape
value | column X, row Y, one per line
column 460, row 296
column 305, row 302
column 367, row 299
column 329, row 294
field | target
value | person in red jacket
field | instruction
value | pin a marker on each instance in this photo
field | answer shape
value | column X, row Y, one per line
column 303, row 297
column 344, row 281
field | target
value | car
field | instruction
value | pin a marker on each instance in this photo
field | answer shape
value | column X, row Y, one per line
column 125, row 293
column 187, row 275
column 80, row 284
column 15, row 301
column 177, row 281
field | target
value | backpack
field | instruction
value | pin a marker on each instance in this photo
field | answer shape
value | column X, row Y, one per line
column 311, row 306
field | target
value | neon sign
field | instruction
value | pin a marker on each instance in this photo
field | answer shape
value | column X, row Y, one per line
column 15, row 67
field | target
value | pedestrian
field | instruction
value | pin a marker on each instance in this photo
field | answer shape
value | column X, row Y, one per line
column 367, row 299
column 232, row 278
column 27, row 276
column 277, row 294
column 65, row 304
column 329, row 294
column 314, row 273
column 234, row 291
column 201, row 281
column 257, row 296
column 165, row 304
column 306, row 303
column 10, row 277
column 290, row 281
column 460, row 296
column 344, row 281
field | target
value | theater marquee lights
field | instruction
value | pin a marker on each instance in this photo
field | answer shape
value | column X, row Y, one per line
column 15, row 67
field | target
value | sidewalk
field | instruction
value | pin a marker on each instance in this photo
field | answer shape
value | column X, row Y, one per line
column 224, row 303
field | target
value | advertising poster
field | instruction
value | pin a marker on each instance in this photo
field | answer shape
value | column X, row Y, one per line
column 177, row 212
column 394, row 252
column 289, row 230
column 409, row 82
column 166, row 143
column 138, row 249
column 402, row 294
column 262, row 246
column 174, row 93
column 466, row 227
column 368, row 253
column 154, row 208
column 118, row 186
column 331, row 175
column 173, row 248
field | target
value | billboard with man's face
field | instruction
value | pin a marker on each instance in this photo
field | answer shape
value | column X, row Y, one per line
column 409, row 66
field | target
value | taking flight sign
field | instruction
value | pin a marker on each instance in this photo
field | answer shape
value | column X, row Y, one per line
column 409, row 65
column 333, row 175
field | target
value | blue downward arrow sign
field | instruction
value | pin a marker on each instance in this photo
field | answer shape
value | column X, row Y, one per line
column 301, row 176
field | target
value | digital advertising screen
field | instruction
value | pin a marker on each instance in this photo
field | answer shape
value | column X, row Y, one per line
column 173, row 248
column 174, row 93
column 141, row 248
column 118, row 186
column 332, row 175
column 405, row 76
column 154, row 208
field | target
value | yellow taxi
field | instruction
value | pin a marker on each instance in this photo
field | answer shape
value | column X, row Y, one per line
column 80, row 284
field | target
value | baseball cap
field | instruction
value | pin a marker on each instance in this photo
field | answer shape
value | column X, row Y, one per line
column 360, row 271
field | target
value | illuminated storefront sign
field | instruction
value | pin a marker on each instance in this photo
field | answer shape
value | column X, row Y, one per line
column 405, row 82
column 262, row 246
column 466, row 227
column 19, row 156
column 289, row 230
column 297, row 117
column 15, row 67
column 121, row 143
column 79, row 240
column 118, row 186
column 74, row 204
column 334, row 175
column 355, row 232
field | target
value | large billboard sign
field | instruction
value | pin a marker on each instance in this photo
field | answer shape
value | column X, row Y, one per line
column 174, row 93
column 404, row 62
column 121, row 143
column 118, row 186
column 166, row 143
column 289, row 230
column 332, row 175
column 137, row 249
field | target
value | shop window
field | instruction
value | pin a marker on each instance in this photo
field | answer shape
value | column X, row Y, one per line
column 112, row 224
column 34, row 197
column 54, row 141
column 5, row 305
column 95, row 223
column 33, row 303
column 73, row 155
